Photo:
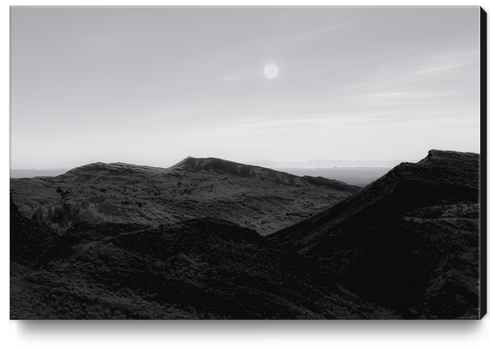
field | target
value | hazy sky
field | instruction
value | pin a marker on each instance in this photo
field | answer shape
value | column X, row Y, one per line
column 152, row 86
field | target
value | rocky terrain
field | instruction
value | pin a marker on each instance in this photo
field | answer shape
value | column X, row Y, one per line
column 199, row 269
column 250, row 196
column 408, row 241
column 118, row 241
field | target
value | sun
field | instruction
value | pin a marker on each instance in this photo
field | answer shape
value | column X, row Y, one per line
column 271, row 71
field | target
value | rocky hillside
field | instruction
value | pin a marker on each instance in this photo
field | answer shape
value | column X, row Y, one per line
column 408, row 241
column 250, row 196
column 199, row 269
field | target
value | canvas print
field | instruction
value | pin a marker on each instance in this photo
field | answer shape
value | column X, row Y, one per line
column 247, row 163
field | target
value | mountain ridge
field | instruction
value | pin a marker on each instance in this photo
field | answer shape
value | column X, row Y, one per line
column 396, row 237
column 373, row 192
column 256, row 197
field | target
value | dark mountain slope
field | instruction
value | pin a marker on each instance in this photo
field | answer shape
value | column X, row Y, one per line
column 408, row 241
column 198, row 269
column 29, row 240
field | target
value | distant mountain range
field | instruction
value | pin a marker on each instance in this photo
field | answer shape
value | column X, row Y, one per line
column 282, row 166
column 358, row 176
column 325, row 163
column 17, row 173
column 351, row 172
column 213, row 239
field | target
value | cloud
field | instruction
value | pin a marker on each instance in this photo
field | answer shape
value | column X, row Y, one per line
column 248, row 74
column 440, row 68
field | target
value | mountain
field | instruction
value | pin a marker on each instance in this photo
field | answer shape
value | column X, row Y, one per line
column 408, row 241
column 249, row 196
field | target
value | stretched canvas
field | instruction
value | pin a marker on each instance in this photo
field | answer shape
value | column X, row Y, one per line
column 248, row 163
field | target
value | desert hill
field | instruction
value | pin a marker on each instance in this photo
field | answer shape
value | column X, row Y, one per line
column 409, row 241
column 261, row 199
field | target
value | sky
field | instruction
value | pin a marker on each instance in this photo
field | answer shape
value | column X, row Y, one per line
column 151, row 86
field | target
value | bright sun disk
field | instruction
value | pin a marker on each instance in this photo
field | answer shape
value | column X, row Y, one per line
column 271, row 71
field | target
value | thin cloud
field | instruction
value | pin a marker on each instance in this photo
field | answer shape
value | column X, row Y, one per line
column 309, row 35
column 439, row 68
column 243, row 75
